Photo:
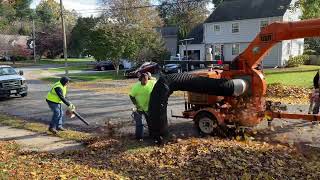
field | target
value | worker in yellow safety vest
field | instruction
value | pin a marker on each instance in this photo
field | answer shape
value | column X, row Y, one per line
column 140, row 96
column 56, row 96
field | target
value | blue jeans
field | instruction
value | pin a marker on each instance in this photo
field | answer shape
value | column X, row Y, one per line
column 137, row 116
column 57, row 117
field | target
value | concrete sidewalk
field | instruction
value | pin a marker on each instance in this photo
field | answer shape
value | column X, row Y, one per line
column 39, row 142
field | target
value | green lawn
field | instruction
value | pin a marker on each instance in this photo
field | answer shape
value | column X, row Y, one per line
column 90, row 76
column 71, row 68
column 62, row 61
column 301, row 76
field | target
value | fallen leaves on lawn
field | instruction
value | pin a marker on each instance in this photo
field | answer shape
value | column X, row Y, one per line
column 279, row 90
column 106, row 86
column 194, row 158
column 27, row 165
column 288, row 94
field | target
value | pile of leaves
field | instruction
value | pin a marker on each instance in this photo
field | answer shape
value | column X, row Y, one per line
column 15, row 164
column 281, row 91
column 288, row 94
column 180, row 159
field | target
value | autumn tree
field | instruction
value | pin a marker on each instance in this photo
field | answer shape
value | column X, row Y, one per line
column 49, row 32
column 7, row 17
column 49, row 43
column 132, row 12
column 23, row 14
column 15, row 17
column 218, row 2
column 80, row 36
column 310, row 9
column 184, row 14
column 113, row 42
column 127, row 31
column 48, row 12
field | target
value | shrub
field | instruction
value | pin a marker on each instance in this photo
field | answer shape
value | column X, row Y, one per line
column 310, row 52
column 21, row 58
column 298, row 60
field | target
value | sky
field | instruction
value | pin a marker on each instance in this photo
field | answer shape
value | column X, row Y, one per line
column 78, row 5
column 84, row 7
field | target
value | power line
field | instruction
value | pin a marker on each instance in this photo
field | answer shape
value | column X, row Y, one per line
column 141, row 7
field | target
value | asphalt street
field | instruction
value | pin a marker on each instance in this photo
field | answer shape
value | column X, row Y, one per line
column 97, row 108
column 100, row 108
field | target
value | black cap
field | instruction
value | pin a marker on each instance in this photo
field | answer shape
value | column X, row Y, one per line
column 143, row 75
column 64, row 80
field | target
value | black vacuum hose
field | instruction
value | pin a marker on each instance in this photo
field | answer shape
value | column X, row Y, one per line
column 166, row 85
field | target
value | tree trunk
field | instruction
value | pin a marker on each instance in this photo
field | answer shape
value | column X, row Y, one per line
column 13, row 60
column 117, row 69
column 116, row 64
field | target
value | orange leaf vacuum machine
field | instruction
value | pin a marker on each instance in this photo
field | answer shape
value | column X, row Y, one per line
column 234, row 95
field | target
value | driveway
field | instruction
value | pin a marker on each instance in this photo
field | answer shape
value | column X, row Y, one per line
column 100, row 108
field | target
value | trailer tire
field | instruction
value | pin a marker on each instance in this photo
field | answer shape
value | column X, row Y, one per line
column 206, row 124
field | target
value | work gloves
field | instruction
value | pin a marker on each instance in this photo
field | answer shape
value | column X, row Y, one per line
column 72, row 107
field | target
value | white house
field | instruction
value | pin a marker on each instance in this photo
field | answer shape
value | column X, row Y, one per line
column 234, row 24
column 170, row 37
column 196, row 47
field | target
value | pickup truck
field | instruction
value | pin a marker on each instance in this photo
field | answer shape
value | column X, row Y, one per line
column 12, row 83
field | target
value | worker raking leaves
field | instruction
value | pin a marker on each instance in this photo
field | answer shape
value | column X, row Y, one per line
column 56, row 96
column 140, row 96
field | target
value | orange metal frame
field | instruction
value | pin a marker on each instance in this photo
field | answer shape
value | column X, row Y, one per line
column 247, row 65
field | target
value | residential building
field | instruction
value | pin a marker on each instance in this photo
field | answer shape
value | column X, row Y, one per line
column 234, row 24
column 14, row 45
column 195, row 47
column 170, row 37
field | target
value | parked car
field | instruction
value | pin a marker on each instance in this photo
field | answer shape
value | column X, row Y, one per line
column 12, row 83
column 151, row 67
column 175, row 58
column 172, row 68
column 106, row 65
column 5, row 58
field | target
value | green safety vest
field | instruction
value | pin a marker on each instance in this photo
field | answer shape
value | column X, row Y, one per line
column 52, row 95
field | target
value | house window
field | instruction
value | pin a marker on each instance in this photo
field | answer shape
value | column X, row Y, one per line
column 235, row 27
column 217, row 49
column 235, row 49
column 263, row 24
column 300, row 49
column 216, row 28
column 288, row 48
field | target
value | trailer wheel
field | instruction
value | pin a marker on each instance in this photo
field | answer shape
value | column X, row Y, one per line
column 206, row 123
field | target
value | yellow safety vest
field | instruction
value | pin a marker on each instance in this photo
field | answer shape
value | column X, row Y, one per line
column 52, row 95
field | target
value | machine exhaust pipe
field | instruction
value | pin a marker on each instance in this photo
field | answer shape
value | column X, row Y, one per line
column 240, row 86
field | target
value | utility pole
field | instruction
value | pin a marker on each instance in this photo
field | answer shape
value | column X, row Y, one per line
column 64, row 40
column 186, row 42
column 34, row 41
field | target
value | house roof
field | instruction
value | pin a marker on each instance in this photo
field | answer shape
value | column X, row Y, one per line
column 197, row 34
column 16, row 39
column 231, row 10
column 8, row 42
column 168, row 31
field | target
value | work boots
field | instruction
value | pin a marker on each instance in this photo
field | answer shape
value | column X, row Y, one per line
column 61, row 129
column 53, row 131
